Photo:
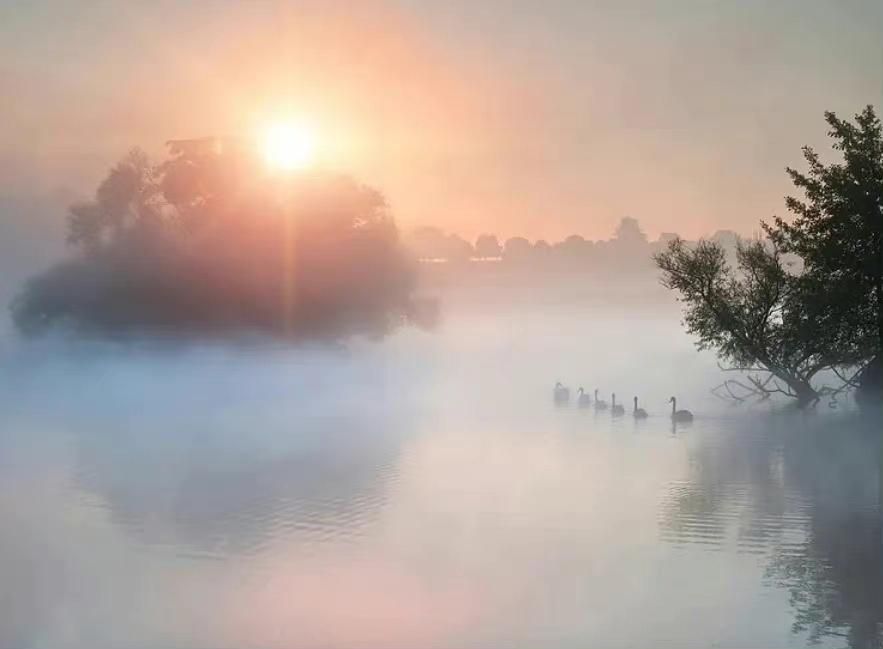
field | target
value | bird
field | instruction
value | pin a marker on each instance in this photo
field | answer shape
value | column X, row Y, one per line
column 600, row 404
column 561, row 395
column 616, row 409
column 639, row 413
column 679, row 415
column 584, row 400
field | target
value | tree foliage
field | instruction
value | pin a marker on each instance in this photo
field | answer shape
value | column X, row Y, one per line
column 838, row 233
column 517, row 249
column 206, row 242
column 487, row 246
column 628, row 232
column 795, row 323
column 128, row 197
column 749, row 314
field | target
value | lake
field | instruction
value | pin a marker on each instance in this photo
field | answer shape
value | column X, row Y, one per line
column 425, row 492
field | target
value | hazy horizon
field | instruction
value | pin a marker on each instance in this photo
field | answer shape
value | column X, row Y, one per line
column 509, row 117
column 334, row 324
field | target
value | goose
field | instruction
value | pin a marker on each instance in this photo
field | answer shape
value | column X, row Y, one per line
column 561, row 395
column 600, row 404
column 679, row 415
column 584, row 400
column 616, row 409
column 639, row 413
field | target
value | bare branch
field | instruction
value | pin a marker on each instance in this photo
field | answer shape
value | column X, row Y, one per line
column 741, row 369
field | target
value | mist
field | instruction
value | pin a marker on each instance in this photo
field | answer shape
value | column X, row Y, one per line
column 561, row 118
column 421, row 488
column 408, row 491
column 402, row 324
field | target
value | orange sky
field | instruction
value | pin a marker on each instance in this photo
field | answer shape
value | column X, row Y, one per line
column 540, row 119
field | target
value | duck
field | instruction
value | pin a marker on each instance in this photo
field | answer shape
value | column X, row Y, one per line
column 616, row 409
column 584, row 400
column 638, row 413
column 561, row 394
column 679, row 415
column 600, row 404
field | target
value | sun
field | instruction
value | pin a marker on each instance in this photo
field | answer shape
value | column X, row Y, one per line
column 289, row 146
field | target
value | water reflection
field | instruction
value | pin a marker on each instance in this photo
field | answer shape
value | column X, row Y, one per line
column 223, row 492
column 836, row 581
column 808, row 500
column 457, row 514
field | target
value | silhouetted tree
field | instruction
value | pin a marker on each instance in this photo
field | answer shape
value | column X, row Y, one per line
column 628, row 251
column 752, row 318
column 128, row 196
column 824, row 313
column 517, row 249
column 838, row 234
column 206, row 242
column 458, row 249
column 726, row 238
column 487, row 246
column 574, row 246
column 629, row 233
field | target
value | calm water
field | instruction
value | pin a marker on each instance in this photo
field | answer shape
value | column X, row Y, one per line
column 423, row 493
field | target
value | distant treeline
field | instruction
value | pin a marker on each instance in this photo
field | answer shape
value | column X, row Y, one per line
column 628, row 250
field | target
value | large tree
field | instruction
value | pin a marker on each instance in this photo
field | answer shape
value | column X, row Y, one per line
column 209, row 242
column 822, row 313
column 749, row 314
column 838, row 233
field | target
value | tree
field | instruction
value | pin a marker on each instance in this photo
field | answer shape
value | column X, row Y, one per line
column 205, row 243
column 487, row 246
column 458, row 250
column 824, row 314
column 665, row 238
column 751, row 316
column 516, row 249
column 628, row 250
column 838, row 234
column 726, row 238
column 128, row 195
column 575, row 246
column 629, row 233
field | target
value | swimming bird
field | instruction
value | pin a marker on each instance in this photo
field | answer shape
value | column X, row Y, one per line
column 584, row 400
column 616, row 409
column 639, row 413
column 561, row 395
column 679, row 415
column 600, row 404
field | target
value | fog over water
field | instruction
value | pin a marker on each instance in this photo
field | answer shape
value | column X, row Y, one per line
column 443, row 209
column 424, row 491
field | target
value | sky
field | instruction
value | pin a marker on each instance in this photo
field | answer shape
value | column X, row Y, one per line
column 515, row 117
